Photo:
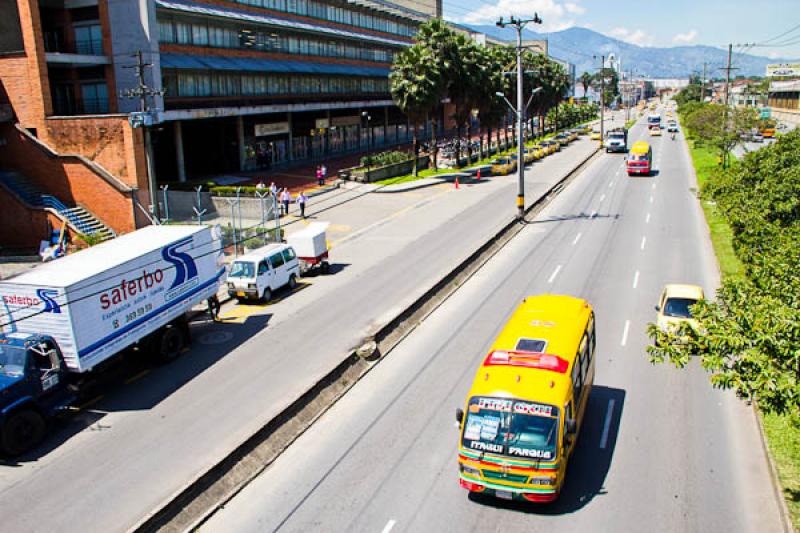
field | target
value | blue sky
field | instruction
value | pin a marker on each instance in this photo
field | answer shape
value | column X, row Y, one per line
column 654, row 23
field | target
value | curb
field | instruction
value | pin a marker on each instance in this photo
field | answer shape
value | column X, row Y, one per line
column 786, row 517
column 334, row 384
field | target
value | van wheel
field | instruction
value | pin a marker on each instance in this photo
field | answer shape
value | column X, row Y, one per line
column 171, row 343
column 267, row 295
column 292, row 282
column 325, row 267
column 23, row 431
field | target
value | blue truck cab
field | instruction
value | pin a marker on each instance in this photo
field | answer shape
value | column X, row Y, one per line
column 33, row 387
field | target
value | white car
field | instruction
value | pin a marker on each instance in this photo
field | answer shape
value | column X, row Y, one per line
column 258, row 274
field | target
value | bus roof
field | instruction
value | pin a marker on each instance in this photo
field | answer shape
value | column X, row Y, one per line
column 640, row 147
column 532, row 357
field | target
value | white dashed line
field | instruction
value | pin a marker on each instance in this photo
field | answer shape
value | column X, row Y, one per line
column 602, row 197
column 654, row 186
column 652, row 198
column 624, row 340
column 636, row 279
column 647, row 220
column 554, row 274
column 610, row 184
column 593, row 214
column 607, row 424
column 390, row 524
column 577, row 238
column 644, row 240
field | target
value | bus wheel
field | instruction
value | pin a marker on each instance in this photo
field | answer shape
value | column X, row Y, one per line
column 23, row 431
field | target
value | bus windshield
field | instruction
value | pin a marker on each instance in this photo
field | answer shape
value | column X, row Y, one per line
column 12, row 361
column 514, row 428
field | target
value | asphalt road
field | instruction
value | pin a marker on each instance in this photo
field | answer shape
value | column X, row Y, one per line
column 125, row 454
column 660, row 449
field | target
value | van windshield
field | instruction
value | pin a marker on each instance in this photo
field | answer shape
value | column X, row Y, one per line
column 513, row 428
column 12, row 361
column 242, row 269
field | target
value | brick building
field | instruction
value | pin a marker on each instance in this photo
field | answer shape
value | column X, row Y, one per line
column 247, row 84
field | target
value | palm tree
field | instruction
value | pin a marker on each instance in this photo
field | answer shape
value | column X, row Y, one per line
column 414, row 84
column 586, row 82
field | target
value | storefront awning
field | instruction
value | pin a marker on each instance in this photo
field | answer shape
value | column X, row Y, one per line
column 248, row 16
column 249, row 64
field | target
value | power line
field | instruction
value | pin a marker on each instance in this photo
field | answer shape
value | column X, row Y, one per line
column 781, row 35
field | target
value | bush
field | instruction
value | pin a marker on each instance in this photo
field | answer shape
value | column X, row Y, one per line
column 384, row 158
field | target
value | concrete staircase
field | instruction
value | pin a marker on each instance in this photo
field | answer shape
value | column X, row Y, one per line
column 79, row 218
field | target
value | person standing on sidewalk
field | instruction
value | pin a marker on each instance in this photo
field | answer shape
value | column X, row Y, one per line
column 324, row 170
column 213, row 307
column 286, row 197
column 301, row 202
column 319, row 175
column 273, row 189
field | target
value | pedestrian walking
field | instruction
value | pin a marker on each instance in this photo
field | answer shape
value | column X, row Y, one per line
column 319, row 175
column 324, row 170
column 301, row 202
column 273, row 189
column 286, row 197
column 213, row 307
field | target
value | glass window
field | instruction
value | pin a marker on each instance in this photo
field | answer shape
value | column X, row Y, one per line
column 531, row 345
column 95, row 97
column 183, row 33
column 679, row 307
column 288, row 254
column 242, row 269
column 276, row 260
column 199, row 34
column 89, row 39
column 165, row 31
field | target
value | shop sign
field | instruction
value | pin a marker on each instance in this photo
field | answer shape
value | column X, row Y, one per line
column 783, row 69
column 322, row 123
column 276, row 128
column 353, row 120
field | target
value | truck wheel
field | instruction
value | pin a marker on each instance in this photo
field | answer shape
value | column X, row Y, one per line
column 292, row 282
column 267, row 295
column 23, row 431
column 325, row 267
column 171, row 343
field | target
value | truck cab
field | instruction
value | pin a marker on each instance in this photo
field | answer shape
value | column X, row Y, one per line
column 33, row 387
column 617, row 140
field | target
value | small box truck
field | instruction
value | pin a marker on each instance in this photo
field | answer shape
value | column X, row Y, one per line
column 63, row 319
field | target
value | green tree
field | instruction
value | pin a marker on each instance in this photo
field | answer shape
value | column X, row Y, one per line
column 749, row 337
column 721, row 127
column 415, row 86
column 586, row 82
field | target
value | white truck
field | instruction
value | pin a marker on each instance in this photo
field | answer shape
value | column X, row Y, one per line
column 65, row 318
column 311, row 245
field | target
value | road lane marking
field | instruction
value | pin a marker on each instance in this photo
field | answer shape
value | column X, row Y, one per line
column 390, row 524
column 594, row 214
column 647, row 220
column 625, row 333
column 610, row 183
column 644, row 240
column 602, row 197
column 636, row 279
column 577, row 238
column 651, row 198
column 654, row 186
column 607, row 424
column 554, row 274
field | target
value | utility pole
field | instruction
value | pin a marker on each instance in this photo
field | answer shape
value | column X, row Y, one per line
column 728, row 75
column 602, row 94
column 142, row 91
column 703, row 83
column 519, row 25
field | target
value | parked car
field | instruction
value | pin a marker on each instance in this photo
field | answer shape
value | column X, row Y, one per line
column 257, row 275
column 503, row 165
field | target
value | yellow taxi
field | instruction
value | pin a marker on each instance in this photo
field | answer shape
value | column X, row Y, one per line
column 655, row 132
column 552, row 146
column 595, row 136
column 674, row 305
column 522, row 415
column 503, row 165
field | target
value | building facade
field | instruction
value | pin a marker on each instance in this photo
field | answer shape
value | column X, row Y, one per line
column 231, row 85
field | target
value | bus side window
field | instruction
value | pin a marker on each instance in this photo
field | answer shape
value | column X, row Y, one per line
column 586, row 356
column 577, row 377
column 592, row 337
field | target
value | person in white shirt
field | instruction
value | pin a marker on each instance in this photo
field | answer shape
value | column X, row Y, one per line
column 301, row 202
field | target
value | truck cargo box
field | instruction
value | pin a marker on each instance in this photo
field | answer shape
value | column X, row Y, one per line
column 99, row 301
column 311, row 241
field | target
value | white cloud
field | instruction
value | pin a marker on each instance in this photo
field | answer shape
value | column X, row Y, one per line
column 685, row 38
column 555, row 15
column 637, row 37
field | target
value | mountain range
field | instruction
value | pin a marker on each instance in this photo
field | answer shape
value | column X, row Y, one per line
column 578, row 45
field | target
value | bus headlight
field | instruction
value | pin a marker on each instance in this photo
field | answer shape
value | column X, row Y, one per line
column 549, row 481
column 470, row 471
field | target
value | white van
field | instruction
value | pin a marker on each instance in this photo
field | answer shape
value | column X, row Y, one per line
column 258, row 274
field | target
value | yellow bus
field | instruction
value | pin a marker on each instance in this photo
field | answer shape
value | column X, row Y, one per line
column 522, row 416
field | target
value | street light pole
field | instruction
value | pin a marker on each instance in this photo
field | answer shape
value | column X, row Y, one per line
column 602, row 94
column 519, row 25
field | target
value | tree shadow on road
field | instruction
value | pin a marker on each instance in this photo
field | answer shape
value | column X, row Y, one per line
column 590, row 463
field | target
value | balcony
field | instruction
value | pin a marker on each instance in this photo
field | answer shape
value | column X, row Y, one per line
column 88, row 106
column 81, row 52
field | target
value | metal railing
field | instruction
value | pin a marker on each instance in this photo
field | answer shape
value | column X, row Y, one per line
column 89, row 106
column 54, row 42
